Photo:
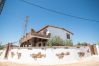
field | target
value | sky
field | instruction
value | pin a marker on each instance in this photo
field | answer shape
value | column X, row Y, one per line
column 14, row 14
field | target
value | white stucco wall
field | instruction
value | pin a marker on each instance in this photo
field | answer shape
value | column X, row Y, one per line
column 58, row 32
column 97, row 47
column 50, row 53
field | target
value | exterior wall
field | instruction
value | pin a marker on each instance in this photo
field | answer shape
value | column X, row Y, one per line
column 50, row 55
column 97, row 47
column 94, row 49
column 58, row 32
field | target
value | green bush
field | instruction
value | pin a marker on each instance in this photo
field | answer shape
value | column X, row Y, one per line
column 57, row 41
column 1, row 47
column 82, row 44
column 68, row 43
column 97, row 43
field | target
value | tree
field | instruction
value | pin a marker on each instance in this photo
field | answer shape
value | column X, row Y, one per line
column 97, row 43
column 82, row 44
column 68, row 43
column 1, row 47
column 56, row 41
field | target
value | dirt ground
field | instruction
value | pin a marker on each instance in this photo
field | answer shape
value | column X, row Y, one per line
column 89, row 63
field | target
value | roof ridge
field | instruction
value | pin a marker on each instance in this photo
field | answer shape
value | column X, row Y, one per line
column 54, row 27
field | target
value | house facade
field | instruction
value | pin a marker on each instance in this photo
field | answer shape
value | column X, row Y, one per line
column 40, row 38
column 57, row 31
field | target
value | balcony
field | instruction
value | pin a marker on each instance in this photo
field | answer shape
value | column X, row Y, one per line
column 34, row 35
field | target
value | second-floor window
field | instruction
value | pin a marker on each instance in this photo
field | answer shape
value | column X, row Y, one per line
column 68, row 36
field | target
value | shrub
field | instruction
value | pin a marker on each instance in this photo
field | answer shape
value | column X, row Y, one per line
column 82, row 44
column 97, row 43
column 68, row 43
column 1, row 53
column 1, row 47
column 56, row 41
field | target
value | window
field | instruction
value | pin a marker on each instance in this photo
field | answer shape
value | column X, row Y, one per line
column 68, row 36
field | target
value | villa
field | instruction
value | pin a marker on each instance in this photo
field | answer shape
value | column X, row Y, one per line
column 40, row 38
column 33, row 49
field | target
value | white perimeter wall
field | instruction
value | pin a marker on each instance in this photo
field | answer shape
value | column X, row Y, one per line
column 97, row 47
column 50, row 53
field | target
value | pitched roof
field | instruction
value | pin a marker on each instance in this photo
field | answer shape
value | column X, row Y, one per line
column 54, row 27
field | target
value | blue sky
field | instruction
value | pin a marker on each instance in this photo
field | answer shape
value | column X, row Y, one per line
column 14, row 13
